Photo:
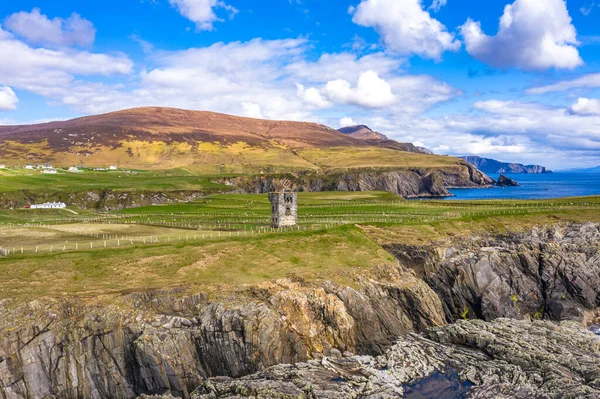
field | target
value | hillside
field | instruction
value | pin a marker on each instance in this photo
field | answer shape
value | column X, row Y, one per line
column 491, row 166
column 363, row 132
column 202, row 142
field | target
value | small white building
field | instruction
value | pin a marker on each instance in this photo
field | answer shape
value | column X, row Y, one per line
column 2, row 166
column 74, row 169
column 49, row 171
column 29, row 166
column 113, row 167
column 48, row 205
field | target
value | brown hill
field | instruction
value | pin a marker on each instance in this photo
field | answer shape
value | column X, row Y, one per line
column 363, row 132
column 202, row 142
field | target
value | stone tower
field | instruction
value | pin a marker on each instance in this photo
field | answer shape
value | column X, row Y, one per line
column 284, row 209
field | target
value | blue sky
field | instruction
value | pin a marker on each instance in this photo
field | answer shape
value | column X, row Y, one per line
column 515, row 80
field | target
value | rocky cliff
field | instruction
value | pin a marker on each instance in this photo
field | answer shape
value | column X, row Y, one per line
column 408, row 183
column 170, row 342
column 492, row 166
column 503, row 359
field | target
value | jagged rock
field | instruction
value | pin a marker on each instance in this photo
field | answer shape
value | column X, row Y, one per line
column 504, row 181
column 68, row 350
column 500, row 359
column 551, row 272
column 408, row 183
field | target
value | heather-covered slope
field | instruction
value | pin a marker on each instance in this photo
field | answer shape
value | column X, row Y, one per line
column 202, row 142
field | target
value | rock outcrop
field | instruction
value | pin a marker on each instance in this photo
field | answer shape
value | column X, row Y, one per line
column 551, row 272
column 504, row 181
column 169, row 344
column 503, row 359
column 408, row 183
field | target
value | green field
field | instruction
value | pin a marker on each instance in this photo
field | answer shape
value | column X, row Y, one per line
column 178, row 179
column 225, row 242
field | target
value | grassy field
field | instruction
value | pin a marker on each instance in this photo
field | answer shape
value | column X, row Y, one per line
column 178, row 179
column 225, row 242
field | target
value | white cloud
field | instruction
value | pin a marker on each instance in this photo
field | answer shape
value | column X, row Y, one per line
column 265, row 78
column 370, row 91
column 202, row 12
column 312, row 96
column 252, row 110
column 53, row 73
column 585, row 106
column 8, row 98
column 37, row 28
column 438, row 4
column 347, row 121
column 533, row 35
column 405, row 27
column 591, row 80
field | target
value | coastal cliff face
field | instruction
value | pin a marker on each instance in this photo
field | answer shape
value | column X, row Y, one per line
column 492, row 166
column 408, row 183
column 166, row 344
column 551, row 273
column 171, row 342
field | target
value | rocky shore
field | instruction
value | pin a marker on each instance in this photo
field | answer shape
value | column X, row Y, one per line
column 409, row 183
column 371, row 339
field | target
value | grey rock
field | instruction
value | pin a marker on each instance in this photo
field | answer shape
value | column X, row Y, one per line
column 500, row 359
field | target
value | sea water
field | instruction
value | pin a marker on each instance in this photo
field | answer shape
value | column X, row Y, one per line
column 541, row 186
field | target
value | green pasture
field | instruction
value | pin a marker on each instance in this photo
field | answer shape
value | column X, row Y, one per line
column 225, row 241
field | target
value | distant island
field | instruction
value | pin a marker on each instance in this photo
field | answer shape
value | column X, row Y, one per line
column 595, row 169
column 492, row 166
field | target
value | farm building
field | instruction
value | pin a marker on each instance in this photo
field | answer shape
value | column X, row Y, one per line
column 49, row 171
column 48, row 205
column 113, row 167
column 29, row 166
column 2, row 166
column 74, row 169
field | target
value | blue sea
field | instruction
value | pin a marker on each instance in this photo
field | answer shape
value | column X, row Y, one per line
column 543, row 186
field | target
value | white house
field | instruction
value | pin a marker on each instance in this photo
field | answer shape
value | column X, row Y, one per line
column 113, row 167
column 2, row 166
column 49, row 171
column 74, row 169
column 29, row 166
column 48, row 205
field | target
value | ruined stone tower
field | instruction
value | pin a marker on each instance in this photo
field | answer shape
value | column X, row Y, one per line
column 284, row 209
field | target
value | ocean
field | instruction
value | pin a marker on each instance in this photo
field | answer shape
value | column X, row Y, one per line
column 542, row 186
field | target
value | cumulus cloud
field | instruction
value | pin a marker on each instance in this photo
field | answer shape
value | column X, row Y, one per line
column 347, row 121
column 312, row 96
column 405, row 27
column 585, row 106
column 533, row 35
column 271, row 79
column 370, row 91
column 591, row 80
column 202, row 12
column 8, row 98
column 37, row 28
column 53, row 73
